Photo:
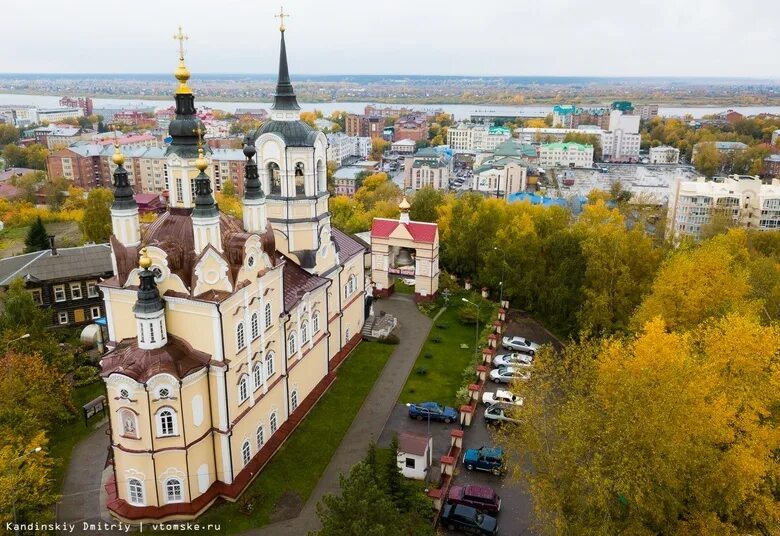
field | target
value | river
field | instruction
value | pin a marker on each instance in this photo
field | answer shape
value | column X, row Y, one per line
column 460, row 111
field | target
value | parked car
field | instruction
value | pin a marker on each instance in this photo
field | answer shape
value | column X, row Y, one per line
column 498, row 414
column 485, row 459
column 434, row 411
column 507, row 374
column 483, row 498
column 520, row 344
column 515, row 359
column 501, row 395
column 468, row 519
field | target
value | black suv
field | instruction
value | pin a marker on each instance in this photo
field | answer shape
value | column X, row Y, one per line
column 468, row 519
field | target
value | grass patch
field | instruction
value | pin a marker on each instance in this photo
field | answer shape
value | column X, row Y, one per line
column 444, row 362
column 300, row 462
column 402, row 288
column 12, row 238
column 63, row 438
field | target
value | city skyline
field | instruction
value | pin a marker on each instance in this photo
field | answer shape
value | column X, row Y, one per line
column 559, row 38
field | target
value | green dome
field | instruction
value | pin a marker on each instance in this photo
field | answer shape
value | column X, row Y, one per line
column 294, row 133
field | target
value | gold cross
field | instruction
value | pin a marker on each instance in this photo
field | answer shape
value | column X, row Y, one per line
column 180, row 37
column 116, row 140
column 281, row 17
column 199, row 132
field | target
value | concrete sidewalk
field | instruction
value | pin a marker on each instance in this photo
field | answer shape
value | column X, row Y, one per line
column 413, row 328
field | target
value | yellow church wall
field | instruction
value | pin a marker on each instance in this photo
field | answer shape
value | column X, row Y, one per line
column 308, row 368
column 202, row 466
column 172, row 464
column 138, row 466
column 192, row 321
column 196, row 406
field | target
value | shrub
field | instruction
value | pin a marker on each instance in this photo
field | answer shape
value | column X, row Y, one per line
column 463, row 396
column 421, row 371
column 428, row 355
column 390, row 339
column 85, row 375
column 436, row 339
column 442, row 325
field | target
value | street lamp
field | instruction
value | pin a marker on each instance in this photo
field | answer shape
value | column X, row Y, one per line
column 33, row 451
column 476, row 331
column 503, row 265
column 8, row 343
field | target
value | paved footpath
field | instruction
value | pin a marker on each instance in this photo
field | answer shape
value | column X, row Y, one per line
column 413, row 328
column 81, row 490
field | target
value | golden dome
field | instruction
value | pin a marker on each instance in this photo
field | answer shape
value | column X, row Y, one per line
column 182, row 74
column 404, row 205
column 201, row 163
column 145, row 262
column 118, row 158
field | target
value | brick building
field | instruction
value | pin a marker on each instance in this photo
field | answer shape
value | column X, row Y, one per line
column 367, row 126
column 80, row 164
column 411, row 127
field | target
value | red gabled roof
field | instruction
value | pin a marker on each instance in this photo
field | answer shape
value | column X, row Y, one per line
column 421, row 232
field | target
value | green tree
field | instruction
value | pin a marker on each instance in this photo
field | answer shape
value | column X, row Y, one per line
column 36, row 156
column 707, row 159
column 425, row 204
column 96, row 225
column 37, row 238
column 586, row 139
column 28, row 185
column 8, row 134
column 56, row 191
column 228, row 188
column 378, row 146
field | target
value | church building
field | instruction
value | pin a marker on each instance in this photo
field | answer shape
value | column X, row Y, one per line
column 224, row 333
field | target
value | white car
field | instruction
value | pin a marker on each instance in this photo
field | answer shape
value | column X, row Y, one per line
column 515, row 359
column 520, row 344
column 507, row 374
column 501, row 395
column 499, row 413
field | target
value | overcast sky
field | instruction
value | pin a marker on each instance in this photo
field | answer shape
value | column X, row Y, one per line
column 731, row 38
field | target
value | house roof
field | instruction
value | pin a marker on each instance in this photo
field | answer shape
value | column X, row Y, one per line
column 298, row 282
column 176, row 358
column 69, row 263
column 420, row 231
column 346, row 246
column 411, row 443
column 566, row 146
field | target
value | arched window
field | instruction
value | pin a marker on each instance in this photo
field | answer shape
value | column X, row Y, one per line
column 166, row 423
column 346, row 335
column 255, row 324
column 173, row 490
column 240, row 339
column 304, row 332
column 162, row 331
column 243, row 389
column 246, row 452
column 129, row 424
column 267, row 316
column 151, row 332
column 322, row 181
column 300, row 188
column 274, row 178
column 269, row 365
column 136, row 491
column 294, row 400
column 315, row 321
column 272, row 422
column 259, row 437
column 291, row 345
column 257, row 375
column 140, row 332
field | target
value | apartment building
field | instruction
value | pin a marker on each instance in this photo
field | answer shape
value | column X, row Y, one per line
column 52, row 115
column 470, row 137
column 341, row 147
column 411, row 127
column 746, row 200
column 621, row 142
column 424, row 168
column 664, row 155
column 365, row 126
column 566, row 154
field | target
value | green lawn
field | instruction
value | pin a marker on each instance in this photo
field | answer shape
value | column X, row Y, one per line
column 63, row 438
column 444, row 361
column 402, row 288
column 298, row 465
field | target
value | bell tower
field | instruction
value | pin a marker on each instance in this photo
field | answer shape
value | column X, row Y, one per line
column 124, row 210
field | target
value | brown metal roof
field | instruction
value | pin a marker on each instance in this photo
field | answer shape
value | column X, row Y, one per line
column 411, row 443
column 176, row 358
column 346, row 246
column 298, row 282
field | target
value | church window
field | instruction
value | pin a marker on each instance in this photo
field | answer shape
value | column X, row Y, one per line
column 246, row 452
column 291, row 345
column 240, row 340
column 179, row 192
column 294, row 400
column 267, row 316
column 164, row 392
column 151, row 332
column 124, row 393
column 141, row 331
column 316, row 323
column 173, row 490
column 136, row 489
column 300, row 188
column 257, row 375
column 255, row 325
column 259, row 437
column 162, row 330
column 166, row 423
column 269, row 365
column 272, row 422
column 129, row 427
column 275, row 178
column 304, row 332
column 243, row 389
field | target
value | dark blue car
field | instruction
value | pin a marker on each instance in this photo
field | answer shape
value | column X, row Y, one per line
column 432, row 411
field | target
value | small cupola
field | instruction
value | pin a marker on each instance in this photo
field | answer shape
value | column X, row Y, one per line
column 149, row 308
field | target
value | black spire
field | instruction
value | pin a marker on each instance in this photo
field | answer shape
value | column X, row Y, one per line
column 123, row 192
column 149, row 300
column 205, row 206
column 284, row 98
column 252, row 187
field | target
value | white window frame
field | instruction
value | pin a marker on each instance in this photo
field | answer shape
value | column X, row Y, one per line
column 176, row 486
column 294, row 400
column 127, row 415
column 240, row 336
column 92, row 289
column 292, row 344
column 37, row 296
column 161, row 427
column 269, row 365
column 257, row 375
column 316, row 322
column 255, row 326
column 243, row 389
column 135, row 491
column 62, row 317
column 92, row 312
column 273, row 422
column 59, row 293
column 260, row 437
column 75, row 291
column 246, row 452
column 268, row 318
column 304, row 332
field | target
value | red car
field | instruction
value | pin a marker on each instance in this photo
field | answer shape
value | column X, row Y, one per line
column 483, row 498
